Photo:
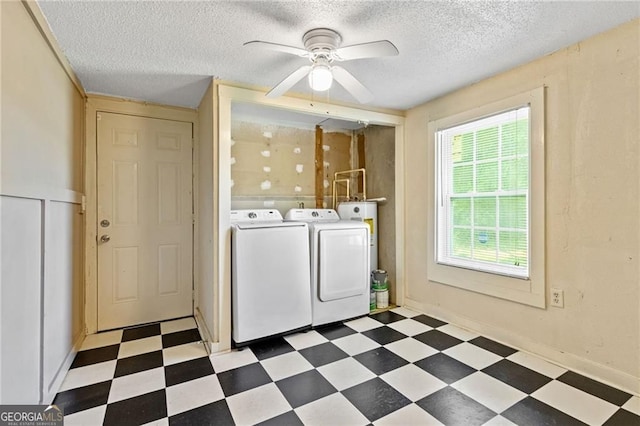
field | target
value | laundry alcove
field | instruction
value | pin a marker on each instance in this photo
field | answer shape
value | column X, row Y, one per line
column 263, row 156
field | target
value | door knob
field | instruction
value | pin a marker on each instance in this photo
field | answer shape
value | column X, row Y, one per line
column 105, row 239
column 104, row 223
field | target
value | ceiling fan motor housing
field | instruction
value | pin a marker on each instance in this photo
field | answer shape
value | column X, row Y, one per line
column 321, row 41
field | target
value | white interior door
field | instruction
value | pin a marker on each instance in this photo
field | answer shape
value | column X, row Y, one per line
column 145, row 220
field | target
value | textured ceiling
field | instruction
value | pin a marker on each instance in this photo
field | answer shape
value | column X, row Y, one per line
column 166, row 51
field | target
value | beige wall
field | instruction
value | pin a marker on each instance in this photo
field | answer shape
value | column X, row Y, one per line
column 42, row 293
column 592, row 209
column 380, row 158
column 205, row 290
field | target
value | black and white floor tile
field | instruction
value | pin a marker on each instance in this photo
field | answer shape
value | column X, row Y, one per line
column 394, row 368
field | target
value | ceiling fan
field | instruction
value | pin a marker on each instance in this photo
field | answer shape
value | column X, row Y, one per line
column 322, row 47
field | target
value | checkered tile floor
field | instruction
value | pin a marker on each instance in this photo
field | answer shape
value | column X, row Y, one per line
column 394, row 368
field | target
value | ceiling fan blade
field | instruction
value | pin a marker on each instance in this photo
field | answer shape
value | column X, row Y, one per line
column 289, row 82
column 374, row 49
column 279, row 47
column 353, row 86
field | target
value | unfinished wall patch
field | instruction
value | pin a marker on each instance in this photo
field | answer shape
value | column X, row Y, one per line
column 286, row 161
column 338, row 158
column 233, row 160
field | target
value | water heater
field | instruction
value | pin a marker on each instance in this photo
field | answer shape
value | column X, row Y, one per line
column 365, row 211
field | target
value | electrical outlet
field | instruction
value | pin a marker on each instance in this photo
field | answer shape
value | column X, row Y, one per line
column 557, row 298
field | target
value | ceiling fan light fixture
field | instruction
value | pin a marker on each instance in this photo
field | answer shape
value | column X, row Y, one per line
column 322, row 46
column 320, row 77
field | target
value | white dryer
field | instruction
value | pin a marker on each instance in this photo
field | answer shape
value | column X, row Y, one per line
column 270, row 275
column 339, row 251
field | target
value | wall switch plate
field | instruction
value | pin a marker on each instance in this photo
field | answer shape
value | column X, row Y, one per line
column 557, row 298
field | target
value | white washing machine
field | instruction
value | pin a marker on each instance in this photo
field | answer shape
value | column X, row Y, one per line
column 339, row 252
column 270, row 275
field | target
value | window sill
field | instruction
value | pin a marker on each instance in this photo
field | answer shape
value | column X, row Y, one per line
column 518, row 290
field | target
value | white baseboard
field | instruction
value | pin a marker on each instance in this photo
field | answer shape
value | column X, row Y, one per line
column 50, row 394
column 586, row 367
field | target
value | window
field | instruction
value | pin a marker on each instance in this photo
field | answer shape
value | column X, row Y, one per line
column 483, row 182
column 487, row 199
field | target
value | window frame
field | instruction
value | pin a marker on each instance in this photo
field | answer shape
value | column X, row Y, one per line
column 444, row 198
column 531, row 290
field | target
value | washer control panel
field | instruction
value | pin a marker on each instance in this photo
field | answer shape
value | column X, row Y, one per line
column 312, row 215
column 258, row 215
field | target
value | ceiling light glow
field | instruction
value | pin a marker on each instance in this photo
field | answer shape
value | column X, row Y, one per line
column 320, row 77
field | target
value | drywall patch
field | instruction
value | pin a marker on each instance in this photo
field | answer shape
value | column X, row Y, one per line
column 326, row 148
column 297, row 188
column 233, row 160
column 267, row 135
column 266, row 184
column 289, row 149
column 231, row 183
column 326, row 184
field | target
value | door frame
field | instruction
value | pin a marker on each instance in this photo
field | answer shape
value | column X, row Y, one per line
column 94, row 105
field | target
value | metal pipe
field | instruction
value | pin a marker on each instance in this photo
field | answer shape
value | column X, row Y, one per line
column 349, row 172
column 334, row 195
